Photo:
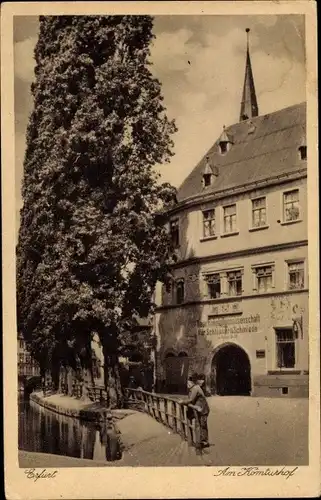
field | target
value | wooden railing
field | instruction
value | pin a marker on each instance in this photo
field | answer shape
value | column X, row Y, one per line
column 97, row 394
column 180, row 418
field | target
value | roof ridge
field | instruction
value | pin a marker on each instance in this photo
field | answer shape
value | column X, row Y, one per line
column 274, row 112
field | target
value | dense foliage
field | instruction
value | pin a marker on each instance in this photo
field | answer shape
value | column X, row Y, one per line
column 92, row 241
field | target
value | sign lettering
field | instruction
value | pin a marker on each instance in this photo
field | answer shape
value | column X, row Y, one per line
column 229, row 326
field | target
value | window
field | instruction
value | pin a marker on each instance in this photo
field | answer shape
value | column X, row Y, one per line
column 296, row 275
column 180, row 292
column 291, row 206
column 234, row 280
column 285, row 348
column 208, row 223
column 263, row 278
column 303, row 152
column 259, row 212
column 230, row 219
column 207, row 179
column 223, row 147
column 214, row 285
column 21, row 358
column 174, row 230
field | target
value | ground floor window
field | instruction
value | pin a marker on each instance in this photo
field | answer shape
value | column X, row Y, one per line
column 285, row 348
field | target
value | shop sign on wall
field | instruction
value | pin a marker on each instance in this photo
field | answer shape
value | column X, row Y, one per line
column 229, row 328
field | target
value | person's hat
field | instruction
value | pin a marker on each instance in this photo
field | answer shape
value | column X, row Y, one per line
column 194, row 378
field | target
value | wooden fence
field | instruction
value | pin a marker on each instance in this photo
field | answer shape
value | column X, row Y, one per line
column 180, row 418
column 97, row 394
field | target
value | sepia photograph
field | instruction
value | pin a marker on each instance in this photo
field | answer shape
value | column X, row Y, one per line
column 162, row 293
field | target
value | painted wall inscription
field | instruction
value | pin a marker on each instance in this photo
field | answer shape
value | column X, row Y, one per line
column 229, row 327
column 283, row 308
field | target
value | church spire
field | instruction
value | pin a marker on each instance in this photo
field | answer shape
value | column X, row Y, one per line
column 249, row 107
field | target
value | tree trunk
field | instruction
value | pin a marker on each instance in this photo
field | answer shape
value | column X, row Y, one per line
column 55, row 371
column 115, row 398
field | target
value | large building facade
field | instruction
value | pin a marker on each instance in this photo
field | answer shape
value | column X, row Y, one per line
column 238, row 306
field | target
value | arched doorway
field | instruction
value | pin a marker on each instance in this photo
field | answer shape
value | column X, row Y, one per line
column 231, row 372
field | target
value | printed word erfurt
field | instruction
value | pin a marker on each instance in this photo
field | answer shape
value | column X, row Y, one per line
column 256, row 471
column 44, row 474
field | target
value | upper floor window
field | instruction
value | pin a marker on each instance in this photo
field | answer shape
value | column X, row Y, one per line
column 223, row 147
column 208, row 223
column 303, row 152
column 234, row 280
column 174, row 231
column 180, row 292
column 229, row 214
column 291, row 207
column 264, row 278
column 207, row 179
column 285, row 348
column 214, row 285
column 295, row 275
column 259, row 212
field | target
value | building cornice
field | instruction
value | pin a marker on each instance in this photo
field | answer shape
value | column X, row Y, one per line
column 238, row 253
column 201, row 198
column 221, row 300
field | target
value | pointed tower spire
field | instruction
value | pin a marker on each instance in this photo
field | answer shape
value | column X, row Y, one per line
column 249, row 107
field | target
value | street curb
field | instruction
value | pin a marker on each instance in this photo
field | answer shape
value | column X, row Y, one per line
column 90, row 414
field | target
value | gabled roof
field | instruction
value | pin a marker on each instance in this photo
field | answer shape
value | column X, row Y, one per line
column 263, row 147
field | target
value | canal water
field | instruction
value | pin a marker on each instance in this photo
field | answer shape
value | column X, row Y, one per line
column 41, row 430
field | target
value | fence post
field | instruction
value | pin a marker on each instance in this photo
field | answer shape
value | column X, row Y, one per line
column 159, row 415
column 174, row 415
column 182, row 422
column 166, row 412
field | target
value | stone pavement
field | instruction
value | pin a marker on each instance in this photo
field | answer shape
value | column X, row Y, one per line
column 242, row 431
column 32, row 460
column 258, row 431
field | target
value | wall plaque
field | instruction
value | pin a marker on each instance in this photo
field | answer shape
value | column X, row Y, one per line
column 226, row 308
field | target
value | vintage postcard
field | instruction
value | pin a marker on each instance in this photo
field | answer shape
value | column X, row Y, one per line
column 160, row 250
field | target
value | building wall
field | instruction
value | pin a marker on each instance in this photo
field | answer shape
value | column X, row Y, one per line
column 27, row 366
column 192, row 243
column 250, row 320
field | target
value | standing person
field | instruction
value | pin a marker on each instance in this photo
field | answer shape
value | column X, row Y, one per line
column 201, row 382
column 197, row 398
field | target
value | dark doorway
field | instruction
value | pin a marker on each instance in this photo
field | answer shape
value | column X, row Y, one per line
column 176, row 370
column 231, row 372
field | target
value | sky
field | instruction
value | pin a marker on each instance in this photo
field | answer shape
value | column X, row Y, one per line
column 200, row 62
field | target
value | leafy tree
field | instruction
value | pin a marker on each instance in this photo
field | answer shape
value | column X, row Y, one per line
column 93, row 240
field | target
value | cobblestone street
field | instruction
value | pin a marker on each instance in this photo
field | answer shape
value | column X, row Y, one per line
column 260, row 431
